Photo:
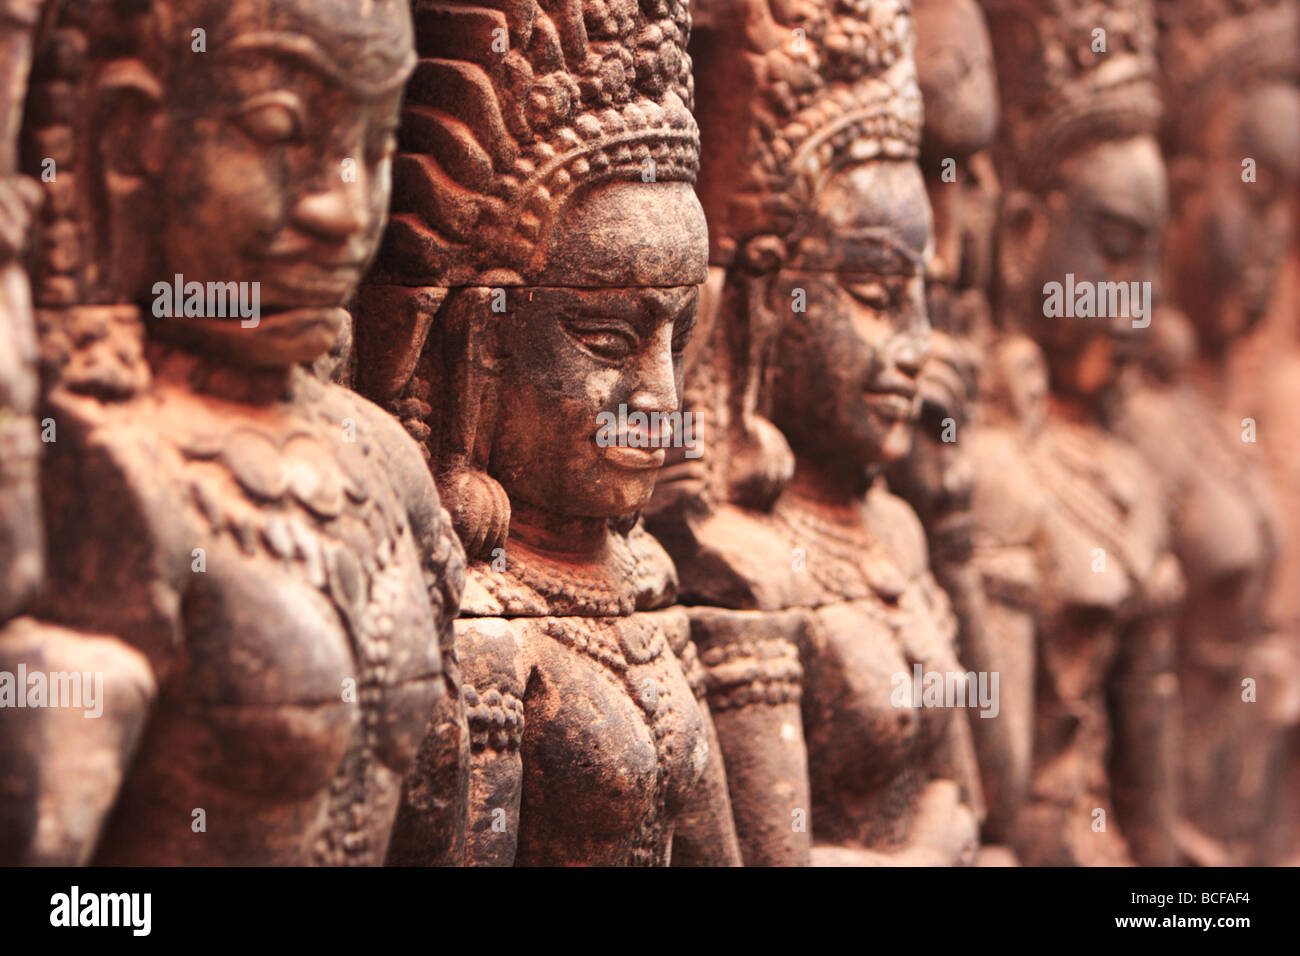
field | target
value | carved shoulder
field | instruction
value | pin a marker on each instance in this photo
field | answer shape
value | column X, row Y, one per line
column 119, row 561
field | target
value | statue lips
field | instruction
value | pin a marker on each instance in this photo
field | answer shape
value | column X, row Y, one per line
column 301, row 282
column 638, row 449
column 635, row 459
column 892, row 404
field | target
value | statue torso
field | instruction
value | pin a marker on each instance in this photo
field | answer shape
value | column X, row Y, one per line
column 287, row 612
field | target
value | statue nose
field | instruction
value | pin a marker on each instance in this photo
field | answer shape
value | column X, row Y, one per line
column 656, row 382
column 909, row 358
column 336, row 212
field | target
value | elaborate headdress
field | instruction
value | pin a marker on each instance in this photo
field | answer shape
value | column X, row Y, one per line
column 789, row 93
column 516, row 105
column 1209, row 45
column 1060, row 87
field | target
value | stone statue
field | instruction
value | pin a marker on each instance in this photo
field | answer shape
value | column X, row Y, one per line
column 1233, row 152
column 252, row 562
column 1264, row 385
column 21, row 559
column 812, row 602
column 1071, row 536
column 21, row 532
column 954, row 61
column 541, row 270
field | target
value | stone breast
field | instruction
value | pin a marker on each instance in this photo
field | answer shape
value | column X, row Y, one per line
column 614, row 740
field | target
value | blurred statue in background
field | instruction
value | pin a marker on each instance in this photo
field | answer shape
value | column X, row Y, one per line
column 21, row 561
column 21, row 532
column 811, row 597
column 954, row 61
column 527, row 321
column 251, row 563
column 1232, row 147
column 1071, row 534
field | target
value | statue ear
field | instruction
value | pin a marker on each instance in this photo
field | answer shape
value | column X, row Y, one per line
column 128, row 120
column 125, row 132
column 1021, row 234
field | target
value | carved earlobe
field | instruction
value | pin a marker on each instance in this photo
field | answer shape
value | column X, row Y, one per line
column 480, row 511
column 127, row 136
column 127, row 115
column 760, row 462
column 462, row 354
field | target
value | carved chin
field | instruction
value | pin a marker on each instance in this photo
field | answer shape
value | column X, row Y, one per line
column 278, row 339
column 626, row 492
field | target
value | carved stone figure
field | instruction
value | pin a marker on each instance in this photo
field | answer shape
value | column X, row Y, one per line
column 541, row 270
column 1264, row 385
column 21, row 533
column 1071, row 535
column 959, row 93
column 812, row 599
column 21, row 560
column 253, row 560
column 1233, row 151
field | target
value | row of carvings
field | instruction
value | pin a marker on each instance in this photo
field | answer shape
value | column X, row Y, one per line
column 619, row 432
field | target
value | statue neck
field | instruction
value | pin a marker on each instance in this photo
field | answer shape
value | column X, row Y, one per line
column 540, row 530
column 834, row 483
column 231, row 382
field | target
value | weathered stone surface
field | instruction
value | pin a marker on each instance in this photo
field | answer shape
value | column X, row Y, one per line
column 253, row 561
column 810, row 582
column 648, row 432
column 1071, row 536
column 1232, row 69
column 540, row 274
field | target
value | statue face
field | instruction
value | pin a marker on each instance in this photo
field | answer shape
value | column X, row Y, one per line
column 954, row 62
column 608, row 330
column 1103, row 224
column 277, row 154
column 1228, row 237
column 847, row 366
column 937, row 477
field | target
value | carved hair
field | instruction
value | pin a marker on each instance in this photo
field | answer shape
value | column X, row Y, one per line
column 789, row 94
column 1211, row 45
column 512, row 111
column 1058, row 95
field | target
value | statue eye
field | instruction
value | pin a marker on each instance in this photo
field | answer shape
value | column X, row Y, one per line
column 874, row 295
column 1118, row 239
column 608, row 344
column 272, row 120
